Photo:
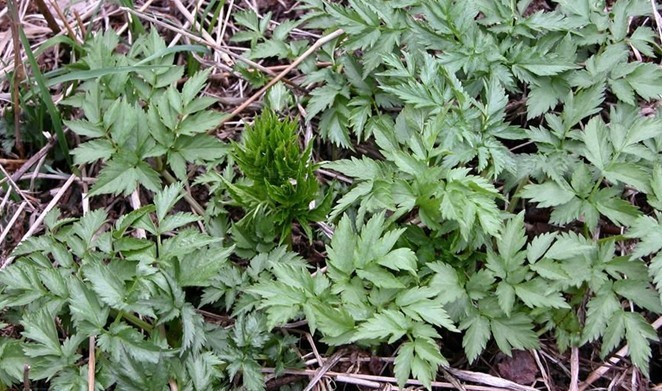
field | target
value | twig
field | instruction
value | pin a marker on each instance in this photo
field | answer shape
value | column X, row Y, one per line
column 321, row 371
column 26, row 377
column 658, row 19
column 543, row 371
column 31, row 162
column 379, row 381
column 613, row 360
column 41, row 217
column 11, row 222
column 50, row 20
column 15, row 186
column 484, row 378
column 574, row 369
column 319, row 43
column 66, row 24
column 91, row 364
column 191, row 19
column 135, row 204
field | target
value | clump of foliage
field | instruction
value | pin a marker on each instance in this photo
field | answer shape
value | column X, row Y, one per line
column 473, row 118
column 85, row 278
column 280, row 184
column 136, row 119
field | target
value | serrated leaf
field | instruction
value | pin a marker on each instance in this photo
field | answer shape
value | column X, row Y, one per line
column 201, row 269
column 380, row 277
column 200, row 122
column 613, row 333
column 505, row 294
column 514, row 332
column 386, row 324
column 638, row 332
column 569, row 245
column 93, row 150
column 476, row 336
column 165, row 200
column 85, row 128
column 539, row 245
column 399, row 259
column 402, row 362
column 122, row 177
column 85, row 307
column 107, row 285
column 548, row 194
column 536, row 293
column 40, row 327
column 512, row 238
column 596, row 139
column 446, row 282
column 193, row 86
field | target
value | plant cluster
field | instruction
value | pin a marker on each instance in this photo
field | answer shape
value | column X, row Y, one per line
column 136, row 119
column 454, row 124
column 280, row 184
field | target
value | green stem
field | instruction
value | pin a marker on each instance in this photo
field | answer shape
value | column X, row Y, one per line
column 136, row 321
column 513, row 202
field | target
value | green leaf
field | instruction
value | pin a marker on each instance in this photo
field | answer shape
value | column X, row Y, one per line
column 122, row 340
column 85, row 307
column 646, row 80
column 200, row 270
column 416, row 304
column 569, row 245
column 513, row 237
column 548, row 194
column 399, row 259
column 92, row 151
column 193, row 86
column 649, row 231
column 446, row 282
column 40, row 327
column 643, row 39
column 380, row 277
column 403, row 361
column 596, row 139
column 120, row 176
column 85, row 128
column 278, row 97
column 386, row 324
column 341, row 250
column 638, row 332
column 165, row 200
column 107, row 285
column 476, row 336
column 200, row 122
column 536, row 293
column 514, row 332
column 539, row 245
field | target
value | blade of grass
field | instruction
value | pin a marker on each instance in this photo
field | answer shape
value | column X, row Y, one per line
column 137, row 27
column 47, row 99
column 174, row 49
column 56, row 40
column 19, row 74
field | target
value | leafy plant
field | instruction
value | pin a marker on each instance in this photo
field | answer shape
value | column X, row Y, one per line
column 280, row 183
column 138, row 122
column 86, row 279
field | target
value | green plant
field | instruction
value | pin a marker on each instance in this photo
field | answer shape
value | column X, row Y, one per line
column 501, row 186
column 138, row 122
column 279, row 179
column 87, row 279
